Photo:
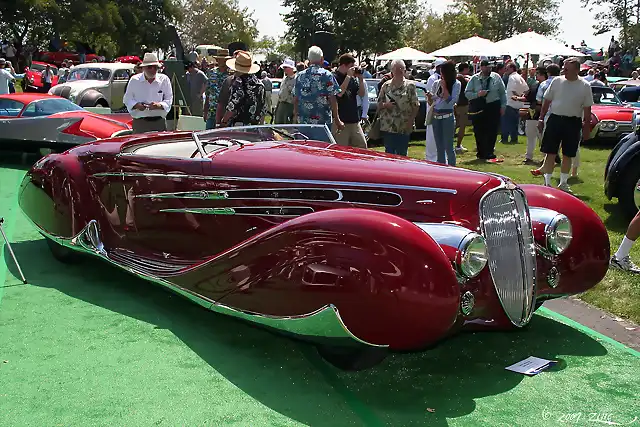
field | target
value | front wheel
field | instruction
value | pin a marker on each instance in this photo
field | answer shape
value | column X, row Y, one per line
column 629, row 194
column 352, row 358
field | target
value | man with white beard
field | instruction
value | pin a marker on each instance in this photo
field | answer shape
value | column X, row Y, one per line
column 431, row 152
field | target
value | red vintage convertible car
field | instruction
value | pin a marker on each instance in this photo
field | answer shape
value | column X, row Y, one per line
column 611, row 119
column 33, row 77
column 57, row 57
column 360, row 252
column 32, row 122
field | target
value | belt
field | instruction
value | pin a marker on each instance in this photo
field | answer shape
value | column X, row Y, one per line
column 442, row 116
column 150, row 119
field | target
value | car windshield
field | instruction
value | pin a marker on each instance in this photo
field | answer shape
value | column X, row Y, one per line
column 10, row 108
column 372, row 89
column 102, row 74
column 47, row 107
column 604, row 96
column 263, row 133
column 40, row 68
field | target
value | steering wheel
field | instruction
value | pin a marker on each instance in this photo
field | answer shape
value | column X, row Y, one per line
column 213, row 141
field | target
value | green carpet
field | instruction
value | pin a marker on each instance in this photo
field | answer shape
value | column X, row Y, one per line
column 89, row 345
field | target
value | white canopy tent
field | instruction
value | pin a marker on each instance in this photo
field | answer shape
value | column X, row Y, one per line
column 473, row 46
column 533, row 43
column 408, row 54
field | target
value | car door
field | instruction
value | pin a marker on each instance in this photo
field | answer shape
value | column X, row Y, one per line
column 150, row 201
column 118, row 85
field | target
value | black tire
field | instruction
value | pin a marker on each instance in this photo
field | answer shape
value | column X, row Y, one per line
column 101, row 103
column 626, row 188
column 62, row 254
column 352, row 358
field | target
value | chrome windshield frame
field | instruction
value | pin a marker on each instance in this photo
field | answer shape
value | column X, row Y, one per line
column 200, row 134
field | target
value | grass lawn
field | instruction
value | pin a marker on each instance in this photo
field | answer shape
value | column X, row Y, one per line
column 618, row 293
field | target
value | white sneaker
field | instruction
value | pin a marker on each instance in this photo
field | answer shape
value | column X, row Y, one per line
column 624, row 264
column 565, row 188
column 461, row 149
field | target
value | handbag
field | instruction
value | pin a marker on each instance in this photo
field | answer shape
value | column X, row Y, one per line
column 374, row 132
column 477, row 105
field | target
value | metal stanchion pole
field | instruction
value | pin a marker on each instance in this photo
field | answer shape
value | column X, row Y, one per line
column 13, row 255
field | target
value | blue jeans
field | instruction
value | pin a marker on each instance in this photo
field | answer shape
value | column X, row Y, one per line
column 510, row 122
column 443, row 132
column 396, row 143
column 211, row 121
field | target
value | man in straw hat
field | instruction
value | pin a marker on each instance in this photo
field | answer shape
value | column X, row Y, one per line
column 247, row 104
column 149, row 97
column 216, row 77
column 284, row 109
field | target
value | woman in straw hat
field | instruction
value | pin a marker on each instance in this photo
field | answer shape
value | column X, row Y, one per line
column 247, row 105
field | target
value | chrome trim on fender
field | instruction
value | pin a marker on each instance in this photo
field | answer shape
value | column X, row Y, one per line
column 278, row 181
column 325, row 322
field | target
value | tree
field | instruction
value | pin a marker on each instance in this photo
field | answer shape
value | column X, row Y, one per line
column 108, row 26
column 624, row 14
column 431, row 31
column 217, row 22
column 362, row 26
column 500, row 19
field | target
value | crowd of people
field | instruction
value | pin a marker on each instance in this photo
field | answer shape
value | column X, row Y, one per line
column 235, row 90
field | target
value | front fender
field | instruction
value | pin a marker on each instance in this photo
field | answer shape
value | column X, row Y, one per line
column 391, row 282
column 586, row 260
column 89, row 98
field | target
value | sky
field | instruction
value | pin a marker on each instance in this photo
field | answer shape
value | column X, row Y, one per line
column 576, row 22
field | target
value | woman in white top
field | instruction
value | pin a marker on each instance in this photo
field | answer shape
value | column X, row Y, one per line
column 47, row 78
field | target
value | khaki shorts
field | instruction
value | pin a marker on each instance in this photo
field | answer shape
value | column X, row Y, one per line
column 462, row 118
column 350, row 136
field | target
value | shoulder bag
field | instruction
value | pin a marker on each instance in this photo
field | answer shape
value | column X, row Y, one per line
column 477, row 105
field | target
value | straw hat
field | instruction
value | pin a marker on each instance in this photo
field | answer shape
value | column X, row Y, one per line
column 243, row 63
column 150, row 59
column 221, row 53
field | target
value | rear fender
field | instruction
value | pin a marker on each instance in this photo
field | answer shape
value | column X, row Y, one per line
column 55, row 195
column 390, row 281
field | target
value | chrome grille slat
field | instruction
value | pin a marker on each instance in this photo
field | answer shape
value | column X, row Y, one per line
column 506, row 226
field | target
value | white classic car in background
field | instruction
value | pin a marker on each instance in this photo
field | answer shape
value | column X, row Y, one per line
column 96, row 85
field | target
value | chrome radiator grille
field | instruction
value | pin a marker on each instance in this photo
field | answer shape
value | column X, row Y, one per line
column 506, row 226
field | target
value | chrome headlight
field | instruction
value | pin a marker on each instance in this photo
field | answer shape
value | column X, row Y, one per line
column 559, row 234
column 473, row 255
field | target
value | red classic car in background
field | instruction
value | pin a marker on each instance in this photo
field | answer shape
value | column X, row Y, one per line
column 57, row 57
column 131, row 59
column 359, row 252
column 44, row 123
column 611, row 119
column 33, row 76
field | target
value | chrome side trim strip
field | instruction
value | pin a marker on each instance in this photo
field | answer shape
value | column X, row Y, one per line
column 244, row 210
column 201, row 195
column 278, row 181
column 325, row 322
column 230, row 194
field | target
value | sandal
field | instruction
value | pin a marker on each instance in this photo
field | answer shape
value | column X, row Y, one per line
column 536, row 172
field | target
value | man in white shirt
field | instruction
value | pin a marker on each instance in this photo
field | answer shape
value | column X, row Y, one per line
column 569, row 99
column 431, row 153
column 516, row 87
column 149, row 97
column 5, row 77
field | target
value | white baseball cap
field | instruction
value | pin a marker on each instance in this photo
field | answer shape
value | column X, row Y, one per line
column 288, row 63
column 438, row 62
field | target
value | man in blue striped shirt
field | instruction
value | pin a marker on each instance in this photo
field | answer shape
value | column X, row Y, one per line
column 486, row 124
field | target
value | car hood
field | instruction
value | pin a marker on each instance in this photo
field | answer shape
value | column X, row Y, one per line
column 439, row 190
